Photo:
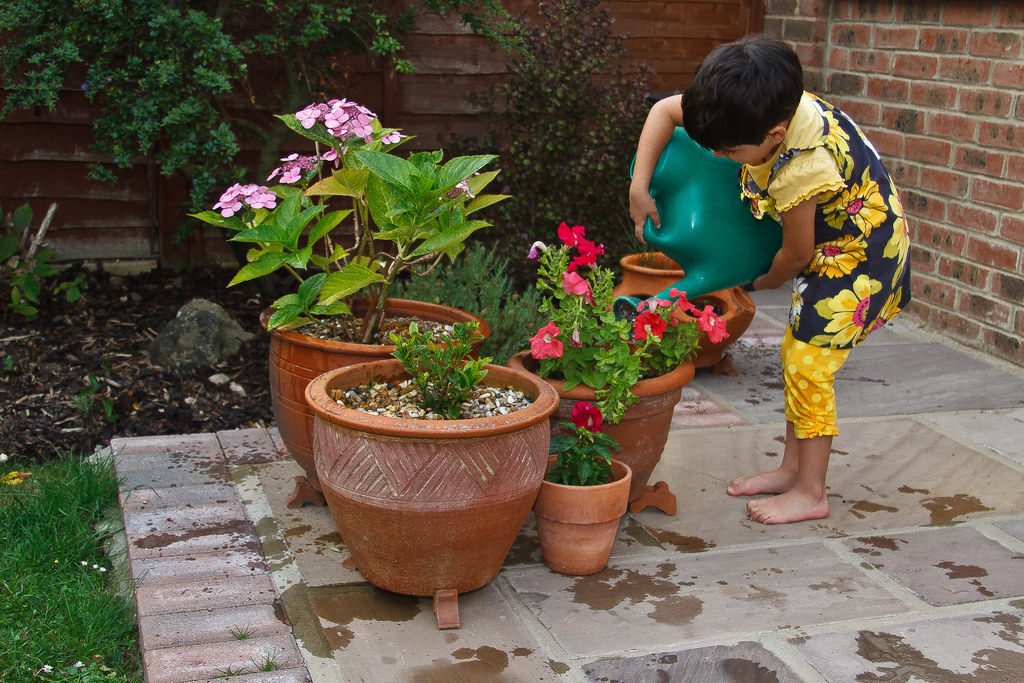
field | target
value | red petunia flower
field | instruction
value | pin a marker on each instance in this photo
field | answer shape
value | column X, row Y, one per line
column 586, row 416
column 712, row 324
column 572, row 283
column 570, row 236
column 544, row 344
column 646, row 323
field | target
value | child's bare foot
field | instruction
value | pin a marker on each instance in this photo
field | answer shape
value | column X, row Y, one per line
column 792, row 506
column 776, row 481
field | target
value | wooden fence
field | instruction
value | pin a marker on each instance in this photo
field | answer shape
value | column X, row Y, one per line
column 44, row 155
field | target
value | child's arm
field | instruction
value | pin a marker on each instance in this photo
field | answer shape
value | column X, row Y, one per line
column 661, row 123
column 797, row 245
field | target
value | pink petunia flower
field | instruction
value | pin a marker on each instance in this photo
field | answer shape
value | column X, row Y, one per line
column 711, row 324
column 587, row 416
column 570, row 236
column 572, row 283
column 545, row 344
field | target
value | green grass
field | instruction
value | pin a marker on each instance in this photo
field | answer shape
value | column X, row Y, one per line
column 60, row 617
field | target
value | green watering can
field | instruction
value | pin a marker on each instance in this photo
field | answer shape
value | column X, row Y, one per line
column 705, row 226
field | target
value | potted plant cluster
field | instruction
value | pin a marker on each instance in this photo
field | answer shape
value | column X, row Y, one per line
column 583, row 496
column 399, row 215
column 430, row 505
column 646, row 273
column 632, row 370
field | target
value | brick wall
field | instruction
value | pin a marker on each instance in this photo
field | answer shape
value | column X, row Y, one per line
column 937, row 86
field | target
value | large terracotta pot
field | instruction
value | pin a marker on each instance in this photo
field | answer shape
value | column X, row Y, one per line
column 577, row 524
column 429, row 507
column 651, row 273
column 295, row 359
column 641, row 433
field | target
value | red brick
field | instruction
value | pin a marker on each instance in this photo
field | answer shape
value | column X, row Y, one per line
column 967, row 13
column 871, row 10
column 948, row 321
column 1008, row 75
column 942, row 181
column 954, row 126
column 1006, row 195
column 1008, row 287
column 923, row 206
column 922, row 260
column 887, row 142
column 811, row 56
column 964, row 271
column 1010, row 15
column 985, row 101
column 1015, row 167
column 999, row 134
column 944, row 40
column 851, row 35
column 995, row 44
column 1005, row 345
column 965, row 69
column 979, row 160
column 933, row 290
column 892, row 89
column 932, row 151
column 912, row 12
column 903, row 172
column 839, row 58
column 863, row 113
column 931, row 94
column 1012, row 228
column 972, row 217
column 870, row 60
column 905, row 120
column 809, row 8
column 941, row 237
column 897, row 38
column 996, row 254
column 845, row 84
column 985, row 309
column 915, row 65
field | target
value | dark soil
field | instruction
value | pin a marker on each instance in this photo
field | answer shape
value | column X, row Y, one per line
column 78, row 374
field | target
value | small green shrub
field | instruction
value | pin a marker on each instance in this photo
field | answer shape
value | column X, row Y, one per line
column 479, row 282
column 25, row 264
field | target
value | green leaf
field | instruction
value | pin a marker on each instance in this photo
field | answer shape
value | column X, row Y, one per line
column 8, row 246
column 388, row 167
column 326, row 224
column 349, row 280
column 341, row 183
column 309, row 291
column 22, row 217
column 461, row 168
column 214, row 218
column 264, row 265
column 483, row 201
column 443, row 241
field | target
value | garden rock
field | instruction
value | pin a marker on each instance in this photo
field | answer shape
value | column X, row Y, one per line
column 201, row 334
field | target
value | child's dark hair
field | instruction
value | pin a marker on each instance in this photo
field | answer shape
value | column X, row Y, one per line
column 741, row 91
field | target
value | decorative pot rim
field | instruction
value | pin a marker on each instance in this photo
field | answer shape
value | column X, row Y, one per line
column 425, row 309
column 545, row 402
column 632, row 262
column 618, row 467
column 677, row 377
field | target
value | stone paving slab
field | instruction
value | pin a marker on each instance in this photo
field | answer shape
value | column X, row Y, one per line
column 220, row 660
column 382, row 636
column 960, row 649
column 249, row 446
column 1000, row 431
column 141, row 500
column 882, row 475
column 746, row 662
column 661, row 604
column 168, row 469
column 190, row 596
column 213, row 625
column 202, row 515
column 945, row 566
column 199, row 567
column 237, row 537
column 878, row 380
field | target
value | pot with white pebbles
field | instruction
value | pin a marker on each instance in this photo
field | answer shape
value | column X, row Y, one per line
column 429, row 506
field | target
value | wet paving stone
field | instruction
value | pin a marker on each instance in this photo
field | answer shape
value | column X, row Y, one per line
column 746, row 661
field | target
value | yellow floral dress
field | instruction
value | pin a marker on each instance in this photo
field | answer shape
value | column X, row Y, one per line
column 859, row 277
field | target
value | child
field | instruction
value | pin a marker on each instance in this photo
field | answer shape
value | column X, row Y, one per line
column 844, row 241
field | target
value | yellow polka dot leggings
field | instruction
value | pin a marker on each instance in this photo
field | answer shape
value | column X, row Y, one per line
column 809, row 373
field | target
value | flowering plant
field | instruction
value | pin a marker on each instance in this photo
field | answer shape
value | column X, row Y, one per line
column 584, row 343
column 406, row 214
column 583, row 459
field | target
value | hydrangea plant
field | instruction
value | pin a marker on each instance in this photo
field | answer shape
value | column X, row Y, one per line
column 406, row 214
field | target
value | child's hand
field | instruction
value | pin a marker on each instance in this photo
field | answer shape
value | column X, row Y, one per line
column 642, row 207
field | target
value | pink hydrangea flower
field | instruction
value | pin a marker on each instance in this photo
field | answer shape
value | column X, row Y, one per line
column 293, row 168
column 545, row 344
column 237, row 196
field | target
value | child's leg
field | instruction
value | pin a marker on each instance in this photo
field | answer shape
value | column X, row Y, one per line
column 805, row 498
column 808, row 373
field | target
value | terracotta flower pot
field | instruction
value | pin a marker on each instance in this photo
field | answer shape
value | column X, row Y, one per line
column 295, row 359
column 641, row 433
column 429, row 507
column 650, row 273
column 577, row 524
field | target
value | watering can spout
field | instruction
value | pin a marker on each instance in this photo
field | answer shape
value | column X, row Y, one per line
column 625, row 308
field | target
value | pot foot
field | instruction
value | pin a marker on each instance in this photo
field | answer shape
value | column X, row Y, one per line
column 305, row 493
column 725, row 365
column 655, row 496
column 446, row 608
